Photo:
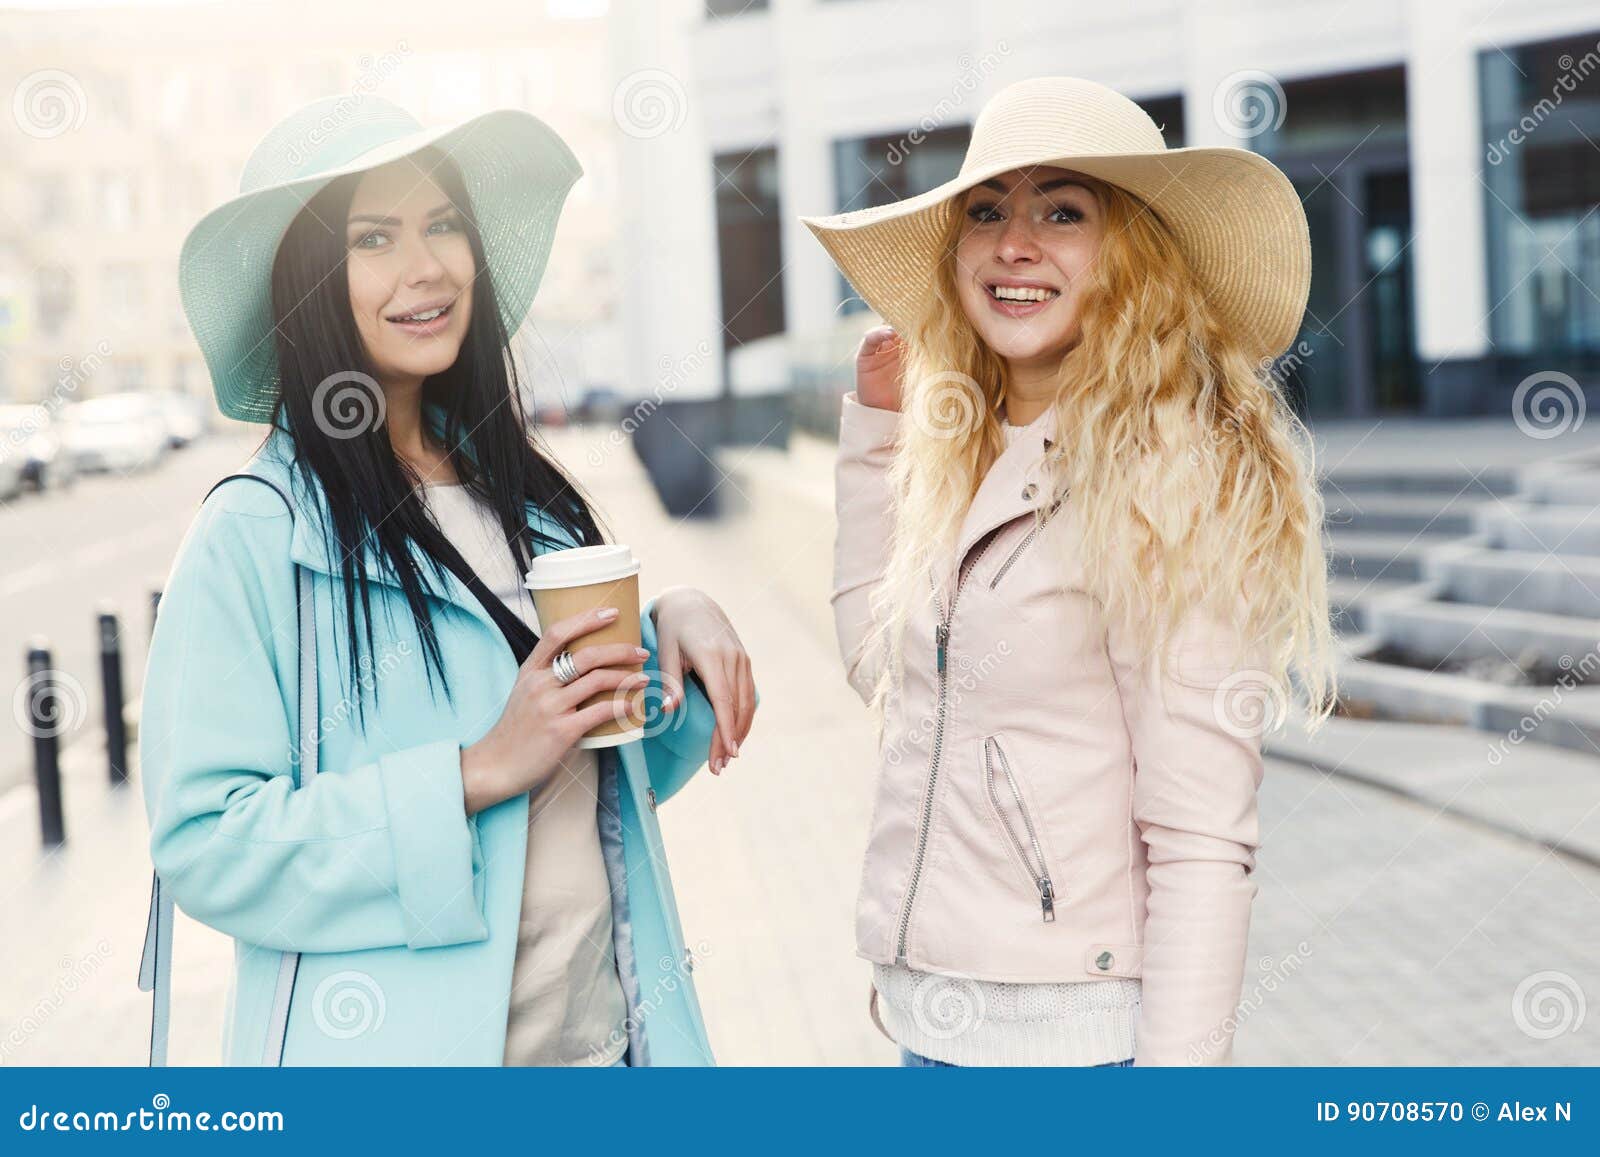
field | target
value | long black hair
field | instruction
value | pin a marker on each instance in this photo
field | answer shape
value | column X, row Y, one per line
column 371, row 492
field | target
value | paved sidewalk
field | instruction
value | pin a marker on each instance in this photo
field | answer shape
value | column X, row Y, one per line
column 1419, row 928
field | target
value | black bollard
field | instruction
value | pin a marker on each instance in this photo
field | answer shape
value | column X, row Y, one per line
column 111, row 686
column 44, row 724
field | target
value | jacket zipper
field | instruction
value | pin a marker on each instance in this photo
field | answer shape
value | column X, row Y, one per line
column 1023, row 545
column 1047, row 891
column 941, row 636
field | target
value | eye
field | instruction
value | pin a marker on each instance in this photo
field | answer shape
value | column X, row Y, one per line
column 982, row 213
column 450, row 224
column 361, row 242
column 1067, row 215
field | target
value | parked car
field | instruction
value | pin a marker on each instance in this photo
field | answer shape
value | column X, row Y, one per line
column 185, row 417
column 29, row 434
column 599, row 404
column 117, row 432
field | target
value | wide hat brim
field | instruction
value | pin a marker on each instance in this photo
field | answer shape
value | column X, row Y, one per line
column 1236, row 217
column 517, row 173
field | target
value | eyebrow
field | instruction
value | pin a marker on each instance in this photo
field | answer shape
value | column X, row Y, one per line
column 1048, row 186
column 375, row 219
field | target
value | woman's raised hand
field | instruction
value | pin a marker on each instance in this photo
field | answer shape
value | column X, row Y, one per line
column 542, row 719
column 879, row 369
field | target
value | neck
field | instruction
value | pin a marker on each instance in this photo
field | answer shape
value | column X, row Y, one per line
column 408, row 433
column 1030, row 389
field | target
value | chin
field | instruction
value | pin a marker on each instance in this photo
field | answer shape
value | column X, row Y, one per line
column 1027, row 346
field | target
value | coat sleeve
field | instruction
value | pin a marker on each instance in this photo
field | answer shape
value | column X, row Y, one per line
column 678, row 742
column 374, row 856
column 862, row 505
column 1197, row 751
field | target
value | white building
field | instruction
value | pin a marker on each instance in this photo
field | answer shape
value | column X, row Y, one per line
column 1446, row 152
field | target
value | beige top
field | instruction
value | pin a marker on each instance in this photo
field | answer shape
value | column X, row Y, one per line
column 567, row 1004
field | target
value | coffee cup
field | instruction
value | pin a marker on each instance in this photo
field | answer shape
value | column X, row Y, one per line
column 569, row 582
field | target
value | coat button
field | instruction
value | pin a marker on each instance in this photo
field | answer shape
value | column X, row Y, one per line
column 1029, row 490
column 650, row 797
column 1103, row 961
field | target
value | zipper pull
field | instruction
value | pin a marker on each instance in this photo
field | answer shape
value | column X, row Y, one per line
column 1047, row 898
column 941, row 636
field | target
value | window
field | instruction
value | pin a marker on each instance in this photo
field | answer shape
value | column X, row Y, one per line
column 1541, row 116
column 749, row 245
column 870, row 171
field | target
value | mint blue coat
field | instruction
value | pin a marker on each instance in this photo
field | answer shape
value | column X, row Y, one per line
column 405, row 909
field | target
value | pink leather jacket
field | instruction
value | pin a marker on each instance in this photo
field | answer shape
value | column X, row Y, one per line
column 1049, row 807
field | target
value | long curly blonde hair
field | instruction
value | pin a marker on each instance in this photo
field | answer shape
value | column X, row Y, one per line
column 1192, row 480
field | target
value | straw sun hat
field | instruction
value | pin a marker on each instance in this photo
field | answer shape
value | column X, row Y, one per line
column 517, row 173
column 1236, row 217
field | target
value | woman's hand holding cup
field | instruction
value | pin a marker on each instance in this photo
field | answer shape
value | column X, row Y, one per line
column 543, row 718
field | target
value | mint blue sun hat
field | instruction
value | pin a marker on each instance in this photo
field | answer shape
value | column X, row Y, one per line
column 517, row 172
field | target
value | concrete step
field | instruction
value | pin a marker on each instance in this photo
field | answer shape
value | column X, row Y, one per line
column 1349, row 600
column 1564, row 529
column 1566, row 485
column 1430, row 515
column 1362, row 555
column 1523, row 580
column 1497, row 481
column 1492, row 643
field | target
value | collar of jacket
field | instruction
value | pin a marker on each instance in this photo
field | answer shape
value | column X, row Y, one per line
column 1014, row 485
column 307, row 547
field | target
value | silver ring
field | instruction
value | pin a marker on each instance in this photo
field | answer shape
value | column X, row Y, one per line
column 565, row 669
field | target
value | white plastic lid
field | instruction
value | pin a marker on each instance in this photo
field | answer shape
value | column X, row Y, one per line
column 580, row 566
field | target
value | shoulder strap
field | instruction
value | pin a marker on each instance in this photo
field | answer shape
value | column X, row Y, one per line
column 155, row 964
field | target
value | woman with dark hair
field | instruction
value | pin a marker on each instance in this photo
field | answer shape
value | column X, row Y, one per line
column 359, row 756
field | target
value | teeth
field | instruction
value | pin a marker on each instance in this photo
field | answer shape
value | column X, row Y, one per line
column 1010, row 293
column 428, row 316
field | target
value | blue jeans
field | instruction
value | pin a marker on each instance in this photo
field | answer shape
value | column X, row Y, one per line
column 909, row 1059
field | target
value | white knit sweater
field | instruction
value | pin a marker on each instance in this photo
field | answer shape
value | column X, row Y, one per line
column 983, row 1022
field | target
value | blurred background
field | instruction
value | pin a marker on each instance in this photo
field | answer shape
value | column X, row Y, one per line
column 1430, row 868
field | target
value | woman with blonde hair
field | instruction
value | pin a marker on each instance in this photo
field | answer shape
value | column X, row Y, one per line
column 1079, row 551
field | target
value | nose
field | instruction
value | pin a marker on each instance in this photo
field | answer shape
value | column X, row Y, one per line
column 422, row 264
column 1017, row 242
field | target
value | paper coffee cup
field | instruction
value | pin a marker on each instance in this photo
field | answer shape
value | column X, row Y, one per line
column 568, row 582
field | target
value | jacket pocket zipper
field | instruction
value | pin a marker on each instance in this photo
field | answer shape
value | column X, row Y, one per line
column 1037, row 866
column 1025, row 543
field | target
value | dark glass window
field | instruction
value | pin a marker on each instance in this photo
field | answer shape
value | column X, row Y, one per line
column 1541, row 117
column 749, row 245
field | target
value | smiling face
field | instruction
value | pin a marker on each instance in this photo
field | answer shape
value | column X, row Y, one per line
column 410, row 271
column 1027, row 243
